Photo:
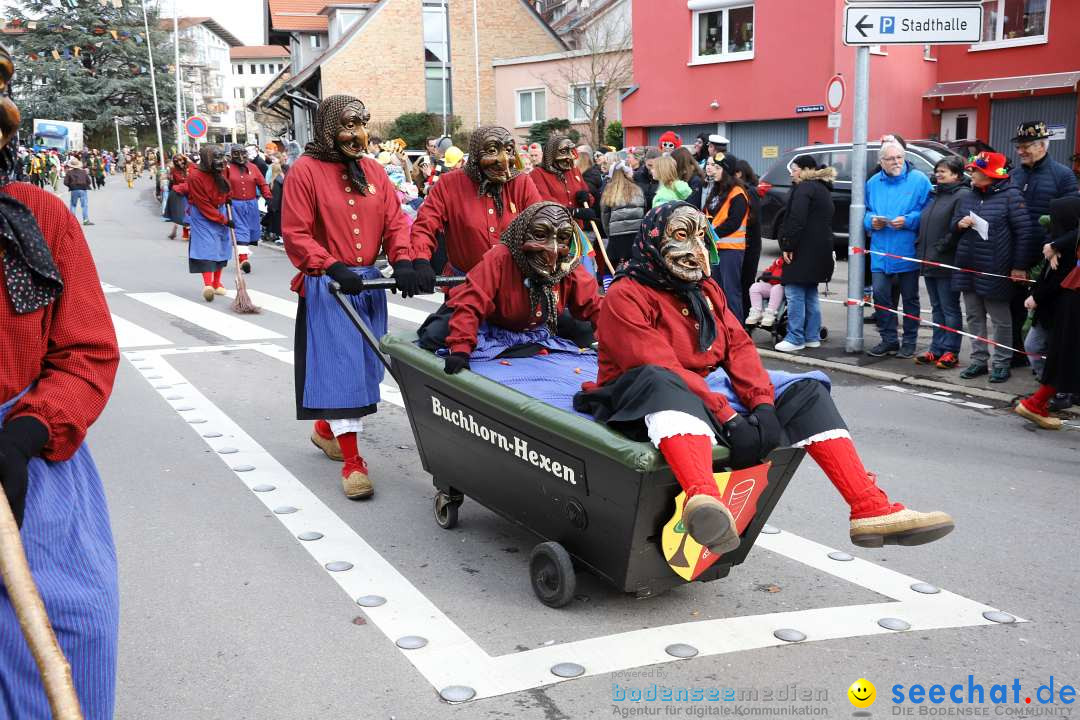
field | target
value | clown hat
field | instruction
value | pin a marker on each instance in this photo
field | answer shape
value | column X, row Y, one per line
column 670, row 137
column 991, row 164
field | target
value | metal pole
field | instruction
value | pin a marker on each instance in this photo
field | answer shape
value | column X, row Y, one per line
column 119, row 150
column 476, row 59
column 153, row 86
column 445, row 76
column 176, row 65
column 856, row 279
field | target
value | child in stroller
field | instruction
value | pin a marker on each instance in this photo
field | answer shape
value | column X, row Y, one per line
column 767, row 285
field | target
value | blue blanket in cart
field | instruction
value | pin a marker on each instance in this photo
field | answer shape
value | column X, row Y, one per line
column 555, row 377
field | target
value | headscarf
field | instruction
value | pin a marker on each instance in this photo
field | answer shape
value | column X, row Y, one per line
column 474, row 171
column 548, row 161
column 647, row 266
column 324, row 145
column 541, row 289
column 31, row 277
column 240, row 168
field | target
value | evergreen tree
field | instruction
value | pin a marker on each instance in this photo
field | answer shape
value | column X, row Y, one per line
column 86, row 61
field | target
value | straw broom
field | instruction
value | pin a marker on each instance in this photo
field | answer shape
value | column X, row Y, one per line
column 242, row 303
column 600, row 244
column 34, row 621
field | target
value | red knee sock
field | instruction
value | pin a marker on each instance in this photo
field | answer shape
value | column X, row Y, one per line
column 840, row 461
column 217, row 277
column 322, row 429
column 243, row 257
column 208, row 278
column 690, row 458
column 1037, row 401
column 353, row 461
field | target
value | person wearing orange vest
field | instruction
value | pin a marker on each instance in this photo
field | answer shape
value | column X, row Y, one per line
column 728, row 209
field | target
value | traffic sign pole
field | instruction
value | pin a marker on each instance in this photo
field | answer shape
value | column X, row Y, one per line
column 856, row 237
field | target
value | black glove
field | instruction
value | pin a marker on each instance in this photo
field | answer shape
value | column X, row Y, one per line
column 407, row 281
column 456, row 362
column 586, row 215
column 581, row 198
column 768, row 427
column 744, row 441
column 21, row 439
column 350, row 282
column 425, row 276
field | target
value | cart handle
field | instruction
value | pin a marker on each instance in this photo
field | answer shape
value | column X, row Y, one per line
column 391, row 283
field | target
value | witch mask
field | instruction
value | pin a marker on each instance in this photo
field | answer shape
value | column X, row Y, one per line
column 562, row 154
column 351, row 136
column 548, row 236
column 238, row 155
column 683, row 246
column 496, row 154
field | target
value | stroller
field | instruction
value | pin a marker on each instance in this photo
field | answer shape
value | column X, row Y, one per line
column 779, row 326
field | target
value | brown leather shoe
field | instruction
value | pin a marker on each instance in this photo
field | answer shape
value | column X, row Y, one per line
column 1045, row 422
column 208, row 293
column 710, row 523
column 357, row 485
column 329, row 446
column 903, row 527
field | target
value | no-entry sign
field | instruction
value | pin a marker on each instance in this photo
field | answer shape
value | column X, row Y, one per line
column 195, row 127
column 834, row 93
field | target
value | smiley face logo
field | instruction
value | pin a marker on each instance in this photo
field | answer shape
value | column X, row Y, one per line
column 862, row 693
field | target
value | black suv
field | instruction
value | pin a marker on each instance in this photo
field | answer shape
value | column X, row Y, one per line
column 775, row 186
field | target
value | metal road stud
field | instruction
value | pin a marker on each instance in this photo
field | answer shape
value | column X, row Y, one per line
column 925, row 588
column 309, row 536
column 183, row 408
column 567, row 670
column 211, row 434
column 681, row 650
column 371, row 601
column 457, row 693
column 196, row 421
column 841, row 556
column 284, row 510
column 999, row 617
column 227, row 451
column 411, row 642
column 891, row 623
column 770, row 530
column 338, row 565
column 789, row 635
column 243, row 468
column 264, row 487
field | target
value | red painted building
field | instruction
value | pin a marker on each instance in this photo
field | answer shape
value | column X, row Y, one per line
column 756, row 71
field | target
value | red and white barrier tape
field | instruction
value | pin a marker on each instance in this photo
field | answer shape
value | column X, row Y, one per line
column 898, row 313
column 858, row 251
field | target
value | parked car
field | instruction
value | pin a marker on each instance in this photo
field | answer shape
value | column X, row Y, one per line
column 775, row 186
column 969, row 148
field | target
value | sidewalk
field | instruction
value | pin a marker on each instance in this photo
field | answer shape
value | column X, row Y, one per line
column 831, row 354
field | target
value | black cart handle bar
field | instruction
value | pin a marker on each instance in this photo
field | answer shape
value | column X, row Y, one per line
column 365, row 331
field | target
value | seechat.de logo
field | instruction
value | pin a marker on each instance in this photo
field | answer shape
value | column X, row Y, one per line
column 862, row 693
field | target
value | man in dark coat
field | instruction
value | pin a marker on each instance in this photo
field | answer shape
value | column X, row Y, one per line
column 1010, row 240
column 1040, row 179
column 806, row 240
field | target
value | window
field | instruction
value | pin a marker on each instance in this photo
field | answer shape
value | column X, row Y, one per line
column 582, row 100
column 437, row 57
column 239, row 68
column 723, row 31
column 531, row 106
column 438, row 89
column 316, row 41
column 262, row 68
column 238, row 93
column 1014, row 22
column 252, row 68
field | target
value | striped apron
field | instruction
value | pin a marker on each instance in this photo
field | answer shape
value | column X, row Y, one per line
column 69, row 546
column 340, row 370
column 248, row 222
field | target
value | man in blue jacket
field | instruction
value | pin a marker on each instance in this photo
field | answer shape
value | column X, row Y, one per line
column 895, row 197
column 1040, row 180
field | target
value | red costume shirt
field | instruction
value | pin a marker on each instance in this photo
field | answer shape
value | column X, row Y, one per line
column 202, row 192
column 496, row 292
column 639, row 325
column 563, row 192
column 246, row 185
column 469, row 221
column 177, row 177
column 67, row 350
column 324, row 219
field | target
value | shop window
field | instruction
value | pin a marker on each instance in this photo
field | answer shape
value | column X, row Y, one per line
column 1014, row 22
column 722, row 30
column 531, row 106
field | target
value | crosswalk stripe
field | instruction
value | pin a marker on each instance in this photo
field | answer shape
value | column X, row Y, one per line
column 287, row 308
column 107, row 288
column 218, row 322
column 130, row 335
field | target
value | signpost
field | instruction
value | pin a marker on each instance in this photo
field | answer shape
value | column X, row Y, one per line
column 835, row 90
column 912, row 24
column 195, row 127
column 888, row 23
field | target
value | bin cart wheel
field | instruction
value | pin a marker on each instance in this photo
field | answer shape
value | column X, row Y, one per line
column 824, row 332
column 552, row 574
column 446, row 509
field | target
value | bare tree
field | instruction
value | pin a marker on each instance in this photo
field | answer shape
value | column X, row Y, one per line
column 601, row 67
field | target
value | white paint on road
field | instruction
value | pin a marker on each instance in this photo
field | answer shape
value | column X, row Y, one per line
column 108, row 289
column 939, row 396
column 453, row 658
column 287, row 308
column 130, row 335
column 205, row 317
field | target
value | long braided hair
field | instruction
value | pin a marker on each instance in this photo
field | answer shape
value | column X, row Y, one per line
column 324, row 143
column 541, row 288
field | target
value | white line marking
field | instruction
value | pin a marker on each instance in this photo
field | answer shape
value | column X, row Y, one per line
column 939, row 396
column 452, row 658
column 107, row 288
column 280, row 306
column 130, row 335
column 218, row 322
column 436, row 299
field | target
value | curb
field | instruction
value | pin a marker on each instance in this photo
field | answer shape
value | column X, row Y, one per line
column 900, row 378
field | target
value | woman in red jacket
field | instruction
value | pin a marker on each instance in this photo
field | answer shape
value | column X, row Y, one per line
column 59, row 358
column 523, row 283
column 210, row 246
column 559, row 181
column 339, row 213
column 664, row 326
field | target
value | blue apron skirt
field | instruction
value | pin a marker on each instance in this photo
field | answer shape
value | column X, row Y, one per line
column 337, row 374
column 69, row 546
column 210, row 245
column 248, row 223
